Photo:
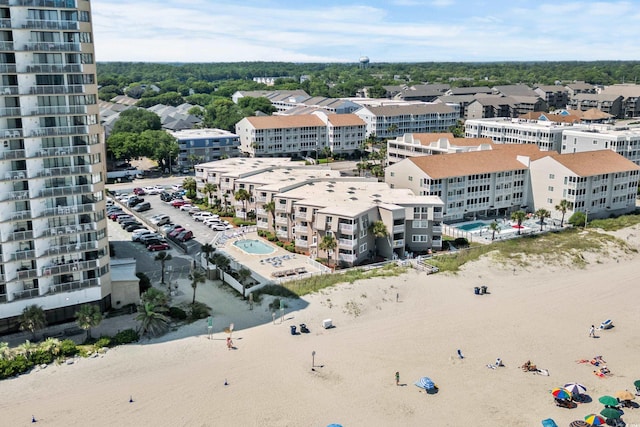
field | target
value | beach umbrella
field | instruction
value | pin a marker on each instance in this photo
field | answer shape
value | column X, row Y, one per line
column 636, row 383
column 625, row 395
column 334, row 425
column 608, row 400
column 561, row 393
column 578, row 423
column 425, row 383
column 610, row 413
column 595, row 420
column 576, row 388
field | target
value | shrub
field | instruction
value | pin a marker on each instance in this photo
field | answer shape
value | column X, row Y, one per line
column 177, row 313
column 461, row 242
column 125, row 337
column 275, row 304
column 199, row 311
column 103, row 342
column 39, row 357
column 291, row 247
column 16, row 366
column 68, row 348
column 145, row 282
column 279, row 243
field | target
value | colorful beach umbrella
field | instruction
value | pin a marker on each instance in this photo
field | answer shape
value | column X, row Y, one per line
column 578, row 423
column 610, row 413
column 561, row 393
column 608, row 400
column 595, row 420
column 576, row 388
column 425, row 383
column 625, row 395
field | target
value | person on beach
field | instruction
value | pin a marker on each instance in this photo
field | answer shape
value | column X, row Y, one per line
column 229, row 343
column 592, row 332
column 397, row 378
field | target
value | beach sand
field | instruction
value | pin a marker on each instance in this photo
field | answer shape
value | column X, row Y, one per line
column 540, row 313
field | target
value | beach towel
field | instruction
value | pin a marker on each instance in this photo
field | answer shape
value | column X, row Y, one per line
column 542, row 372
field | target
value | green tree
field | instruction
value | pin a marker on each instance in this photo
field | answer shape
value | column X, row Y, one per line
column 542, row 214
column 379, row 230
column 243, row 196
column 153, row 321
column 163, row 257
column 32, row 319
column 563, row 207
column 136, row 120
column 190, row 186
column 243, row 275
column 159, row 146
column 207, row 250
column 87, row 317
column 250, row 105
column 270, row 207
column 209, row 189
column 328, row 244
column 495, row 228
column 155, row 297
column 196, row 277
column 222, row 264
column 518, row 217
column 578, row 219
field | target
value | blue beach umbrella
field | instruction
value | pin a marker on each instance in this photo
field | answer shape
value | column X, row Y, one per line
column 425, row 383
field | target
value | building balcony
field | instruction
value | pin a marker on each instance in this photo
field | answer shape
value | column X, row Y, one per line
column 12, row 133
column 347, row 228
column 73, row 247
column 69, row 267
column 304, row 215
column 26, row 294
column 301, row 229
column 62, row 130
column 281, row 207
column 66, row 191
column 398, row 228
column 74, row 286
column 52, row 111
column 281, row 233
column 282, row 220
column 398, row 243
column 7, row 68
column 261, row 212
column 347, row 244
column 302, row 243
column 27, row 274
column 436, row 229
column 56, row 89
column 65, row 171
column 10, row 111
column 437, row 216
column 347, row 257
column 23, row 255
column 12, row 154
column 62, row 151
column 68, row 4
column 46, row 24
column 51, row 46
column 9, row 90
column 69, row 229
column 15, row 195
column 19, row 236
column 46, row 68
column 261, row 199
column 10, row 175
column 20, row 215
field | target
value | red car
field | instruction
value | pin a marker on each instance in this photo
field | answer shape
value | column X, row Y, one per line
column 139, row 191
column 177, row 231
column 158, row 247
column 178, row 202
column 185, row 235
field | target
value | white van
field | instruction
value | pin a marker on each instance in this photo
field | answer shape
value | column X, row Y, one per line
column 160, row 219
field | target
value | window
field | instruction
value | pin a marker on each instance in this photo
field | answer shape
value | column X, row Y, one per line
column 392, row 174
column 550, row 201
column 410, row 178
column 419, row 238
column 549, row 188
column 552, row 176
column 420, row 224
column 362, row 248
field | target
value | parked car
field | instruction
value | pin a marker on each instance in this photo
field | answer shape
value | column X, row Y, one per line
column 125, row 217
column 114, row 216
column 201, row 216
column 109, row 202
column 134, row 200
column 194, row 210
column 137, row 234
column 133, row 227
column 218, row 227
column 213, row 218
column 154, row 190
column 168, row 228
column 139, row 191
column 176, row 231
column 160, row 219
column 128, row 222
column 149, row 238
column 178, row 202
column 178, row 194
column 142, row 207
column 176, row 187
column 187, row 207
column 158, row 247
column 185, row 235
column 165, row 197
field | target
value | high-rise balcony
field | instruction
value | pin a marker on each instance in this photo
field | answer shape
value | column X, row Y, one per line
column 54, row 68
column 73, row 247
column 347, row 228
column 10, row 111
column 55, row 89
column 62, row 151
column 347, row 244
column 74, row 286
column 46, row 24
column 61, row 109
column 18, row 236
column 68, row 229
column 61, row 130
column 12, row 154
column 12, row 133
column 23, row 255
column 65, row 191
column 30, row 273
column 69, row 267
column 50, row 46
column 7, row 68
column 26, row 294
column 9, row 90
column 65, row 171
column 15, row 195
column 20, row 215
column 67, row 4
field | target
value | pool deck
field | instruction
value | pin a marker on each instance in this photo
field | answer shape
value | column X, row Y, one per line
column 278, row 264
column 507, row 230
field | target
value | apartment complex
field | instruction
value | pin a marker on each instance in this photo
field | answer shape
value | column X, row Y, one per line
column 53, row 231
column 424, row 144
column 309, row 202
column 392, row 121
column 621, row 138
column 205, row 145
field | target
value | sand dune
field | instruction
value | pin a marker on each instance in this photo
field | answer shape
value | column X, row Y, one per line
column 540, row 314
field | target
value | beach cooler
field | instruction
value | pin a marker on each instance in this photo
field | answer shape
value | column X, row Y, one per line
column 327, row 323
column 476, row 290
column 293, row 329
column 607, row 324
column 483, row 290
column 549, row 423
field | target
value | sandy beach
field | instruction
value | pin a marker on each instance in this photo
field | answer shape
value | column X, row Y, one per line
column 541, row 313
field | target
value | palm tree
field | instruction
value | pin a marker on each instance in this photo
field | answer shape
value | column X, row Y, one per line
column 5, row 351
column 221, row 262
column 542, row 214
column 32, row 319
column 563, row 207
column 190, row 186
column 156, row 297
column 494, row 227
column 243, row 196
column 163, row 257
column 152, row 320
column 378, row 229
column 209, row 189
column 196, row 277
column 518, row 217
column 329, row 245
column 26, row 349
column 207, row 250
column 271, row 208
column 87, row 317
column 243, row 275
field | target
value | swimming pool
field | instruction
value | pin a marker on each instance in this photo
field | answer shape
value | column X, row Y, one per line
column 472, row 226
column 254, row 247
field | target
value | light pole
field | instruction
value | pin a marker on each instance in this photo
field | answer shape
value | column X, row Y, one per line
column 586, row 218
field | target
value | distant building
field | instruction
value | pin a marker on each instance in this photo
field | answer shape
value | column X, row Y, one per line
column 390, row 121
column 205, row 145
column 424, row 144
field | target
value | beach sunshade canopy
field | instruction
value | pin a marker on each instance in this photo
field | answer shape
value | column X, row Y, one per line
column 578, row 423
column 576, row 388
column 610, row 413
column 625, row 395
column 561, row 393
column 637, row 383
column 425, row 383
column 549, row 423
column 334, row 425
column 608, row 400
column 595, row 420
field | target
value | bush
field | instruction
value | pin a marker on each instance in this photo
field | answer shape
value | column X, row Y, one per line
column 291, row 247
column 275, row 304
column 199, row 311
column 68, row 348
column 461, row 242
column 177, row 313
column 145, row 282
column 103, row 342
column 125, row 337
column 279, row 243
column 39, row 357
column 16, row 366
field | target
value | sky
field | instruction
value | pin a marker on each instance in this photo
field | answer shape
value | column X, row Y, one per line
column 384, row 31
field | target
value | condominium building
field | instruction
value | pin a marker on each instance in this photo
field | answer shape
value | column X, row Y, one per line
column 620, row 138
column 53, row 231
column 391, row 121
column 205, row 145
column 425, row 144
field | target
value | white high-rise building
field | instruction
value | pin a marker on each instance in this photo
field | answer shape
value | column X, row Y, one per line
column 53, row 231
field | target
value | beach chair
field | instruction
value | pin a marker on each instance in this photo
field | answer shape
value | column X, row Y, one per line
column 607, row 324
column 549, row 423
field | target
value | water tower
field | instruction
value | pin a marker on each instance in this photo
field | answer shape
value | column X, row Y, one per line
column 364, row 62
